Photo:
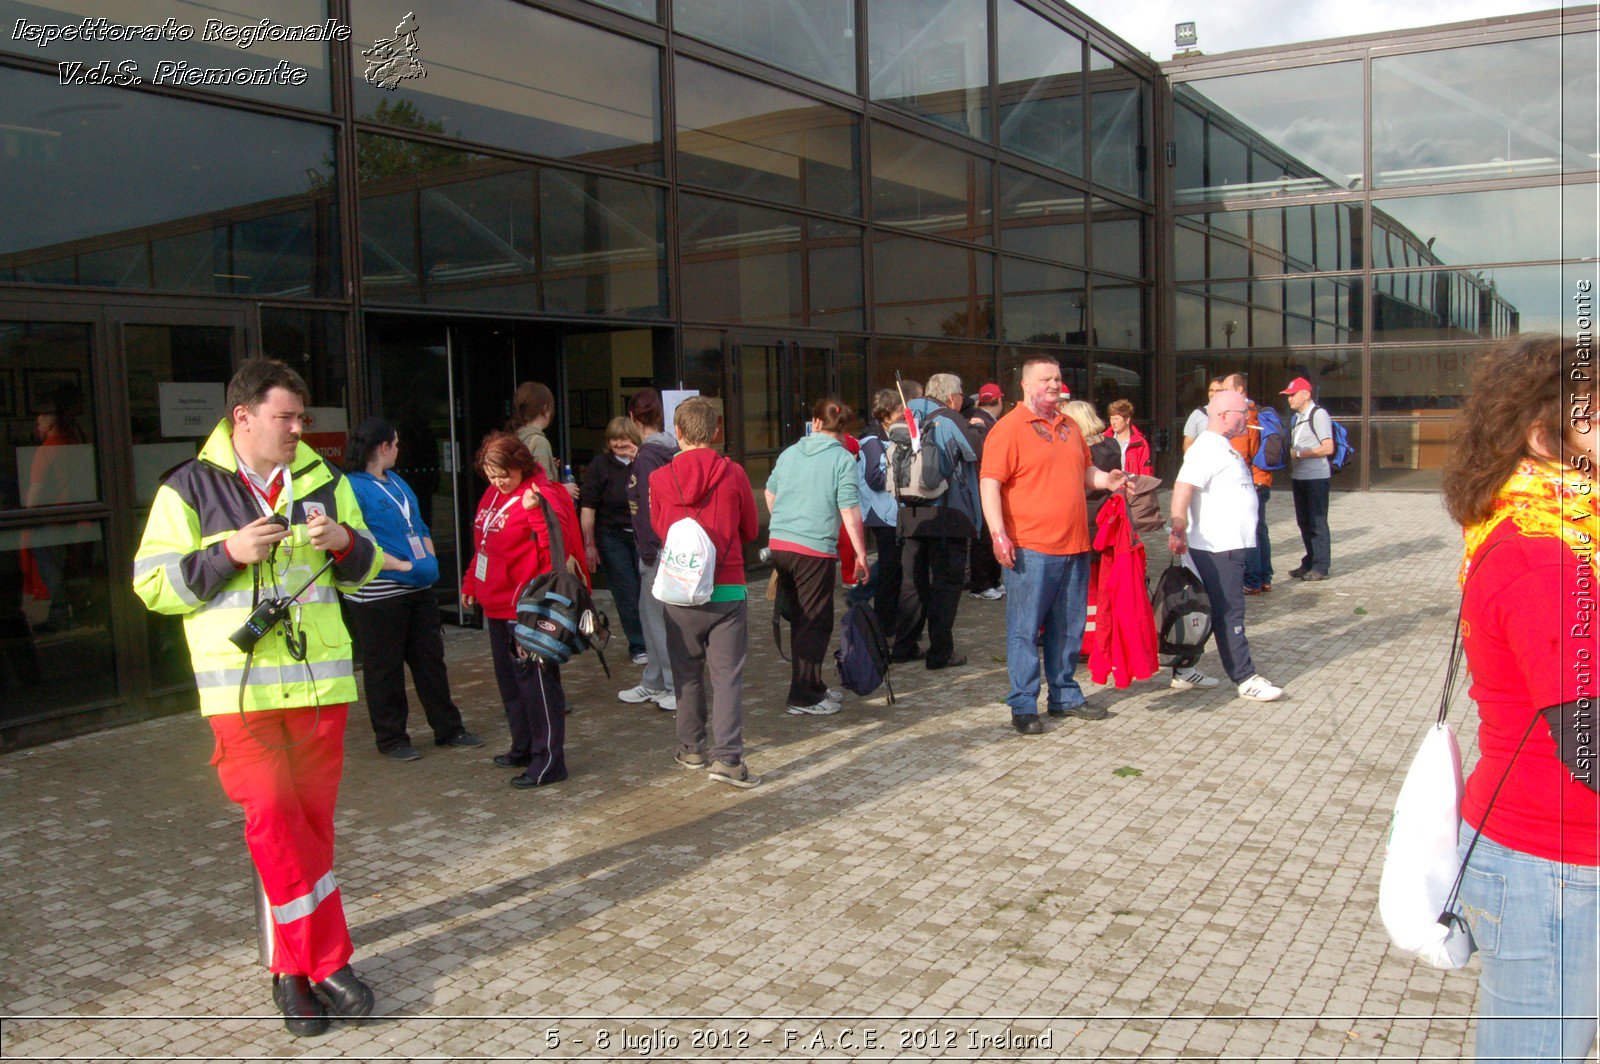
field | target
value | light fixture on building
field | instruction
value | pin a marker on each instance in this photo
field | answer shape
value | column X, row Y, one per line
column 1184, row 35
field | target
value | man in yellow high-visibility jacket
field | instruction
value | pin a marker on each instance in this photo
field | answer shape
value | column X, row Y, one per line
column 252, row 518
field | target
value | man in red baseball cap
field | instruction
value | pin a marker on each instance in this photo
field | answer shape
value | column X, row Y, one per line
column 1310, row 447
column 983, row 571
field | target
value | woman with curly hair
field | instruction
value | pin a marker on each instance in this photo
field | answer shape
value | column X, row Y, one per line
column 1521, row 483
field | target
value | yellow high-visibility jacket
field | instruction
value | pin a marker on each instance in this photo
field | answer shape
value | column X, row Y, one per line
column 181, row 568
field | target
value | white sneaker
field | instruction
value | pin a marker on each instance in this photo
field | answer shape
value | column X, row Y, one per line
column 667, row 703
column 830, row 695
column 642, row 694
column 1184, row 679
column 641, row 659
column 990, row 595
column 1257, row 689
column 821, row 709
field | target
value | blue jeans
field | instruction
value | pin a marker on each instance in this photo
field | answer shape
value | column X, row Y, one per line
column 619, row 557
column 1534, row 922
column 1050, row 590
column 1258, row 566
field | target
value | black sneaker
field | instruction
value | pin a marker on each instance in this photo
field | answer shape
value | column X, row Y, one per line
column 1088, row 712
column 463, row 739
column 406, row 752
column 507, row 761
column 1027, row 723
column 1298, row 572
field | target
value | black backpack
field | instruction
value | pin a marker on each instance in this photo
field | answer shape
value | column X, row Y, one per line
column 556, row 617
column 863, row 655
column 1183, row 616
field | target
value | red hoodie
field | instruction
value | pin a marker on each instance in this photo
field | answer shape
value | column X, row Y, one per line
column 715, row 492
column 518, row 545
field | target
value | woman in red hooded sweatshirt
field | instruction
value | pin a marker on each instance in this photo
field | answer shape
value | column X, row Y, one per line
column 512, row 546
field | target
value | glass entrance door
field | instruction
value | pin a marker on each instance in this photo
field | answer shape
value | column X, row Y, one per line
column 777, row 381
column 445, row 385
column 96, row 402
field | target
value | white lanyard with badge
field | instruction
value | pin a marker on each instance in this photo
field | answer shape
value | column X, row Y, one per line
column 481, row 569
column 403, row 504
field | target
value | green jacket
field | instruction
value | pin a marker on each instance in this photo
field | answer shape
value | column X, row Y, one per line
column 813, row 480
column 182, row 569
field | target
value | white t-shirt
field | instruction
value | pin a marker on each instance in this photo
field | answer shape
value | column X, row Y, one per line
column 1222, row 510
column 1198, row 420
column 1307, row 434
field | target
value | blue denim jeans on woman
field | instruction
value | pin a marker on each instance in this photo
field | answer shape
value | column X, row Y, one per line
column 1534, row 922
column 619, row 554
column 1050, row 590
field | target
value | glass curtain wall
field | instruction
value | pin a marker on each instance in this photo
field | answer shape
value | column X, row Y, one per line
column 1476, row 221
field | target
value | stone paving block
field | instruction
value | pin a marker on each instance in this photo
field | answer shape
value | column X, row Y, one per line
column 915, row 860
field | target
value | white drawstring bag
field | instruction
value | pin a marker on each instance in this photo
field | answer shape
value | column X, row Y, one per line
column 1421, row 867
column 686, row 570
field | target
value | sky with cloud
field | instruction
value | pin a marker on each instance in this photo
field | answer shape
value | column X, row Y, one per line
column 1239, row 24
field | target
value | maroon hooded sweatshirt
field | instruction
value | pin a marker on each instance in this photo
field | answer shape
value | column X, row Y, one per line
column 714, row 490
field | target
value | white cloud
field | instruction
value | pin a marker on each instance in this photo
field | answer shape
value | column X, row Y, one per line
column 1265, row 23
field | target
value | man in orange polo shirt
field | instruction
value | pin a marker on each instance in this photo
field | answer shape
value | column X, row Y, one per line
column 1034, row 474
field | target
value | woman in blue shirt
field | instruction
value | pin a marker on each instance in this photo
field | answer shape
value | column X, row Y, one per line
column 396, row 616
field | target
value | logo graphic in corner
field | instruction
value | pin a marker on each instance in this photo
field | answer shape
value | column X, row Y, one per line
column 389, row 62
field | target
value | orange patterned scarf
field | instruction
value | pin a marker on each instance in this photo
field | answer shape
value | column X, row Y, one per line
column 1544, row 498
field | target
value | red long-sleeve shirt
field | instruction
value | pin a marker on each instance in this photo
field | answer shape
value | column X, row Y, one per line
column 517, row 544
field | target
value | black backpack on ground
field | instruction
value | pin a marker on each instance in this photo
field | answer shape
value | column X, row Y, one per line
column 556, row 616
column 1183, row 616
column 863, row 655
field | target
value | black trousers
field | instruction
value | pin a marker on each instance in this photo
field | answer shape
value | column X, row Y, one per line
column 936, row 567
column 536, row 707
column 810, row 581
column 886, row 599
column 1311, row 514
column 394, row 633
column 1222, row 573
column 983, row 566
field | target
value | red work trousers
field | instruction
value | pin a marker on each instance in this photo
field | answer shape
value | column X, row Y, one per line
column 283, row 767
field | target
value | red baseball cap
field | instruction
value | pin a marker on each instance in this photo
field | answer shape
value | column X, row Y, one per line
column 989, row 393
column 1299, row 384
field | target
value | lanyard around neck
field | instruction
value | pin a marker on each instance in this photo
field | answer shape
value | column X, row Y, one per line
column 285, row 492
column 489, row 522
column 403, row 504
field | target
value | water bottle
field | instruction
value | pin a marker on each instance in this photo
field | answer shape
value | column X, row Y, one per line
column 566, row 474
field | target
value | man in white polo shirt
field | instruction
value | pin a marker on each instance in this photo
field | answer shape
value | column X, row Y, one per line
column 1214, row 521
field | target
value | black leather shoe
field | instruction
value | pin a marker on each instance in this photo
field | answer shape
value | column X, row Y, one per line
column 303, row 1014
column 349, row 998
column 523, row 781
column 463, row 739
column 1057, row 711
column 899, row 658
column 507, row 761
column 1298, row 572
column 405, row 752
column 1088, row 712
column 954, row 661
column 1027, row 723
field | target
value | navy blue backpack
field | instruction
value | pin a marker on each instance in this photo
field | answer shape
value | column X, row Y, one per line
column 863, row 655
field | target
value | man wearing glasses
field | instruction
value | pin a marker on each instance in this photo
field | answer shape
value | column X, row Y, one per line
column 1214, row 522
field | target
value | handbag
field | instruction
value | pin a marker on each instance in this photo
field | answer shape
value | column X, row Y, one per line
column 1419, row 892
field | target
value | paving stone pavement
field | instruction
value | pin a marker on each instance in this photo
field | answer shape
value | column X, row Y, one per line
column 914, row 882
